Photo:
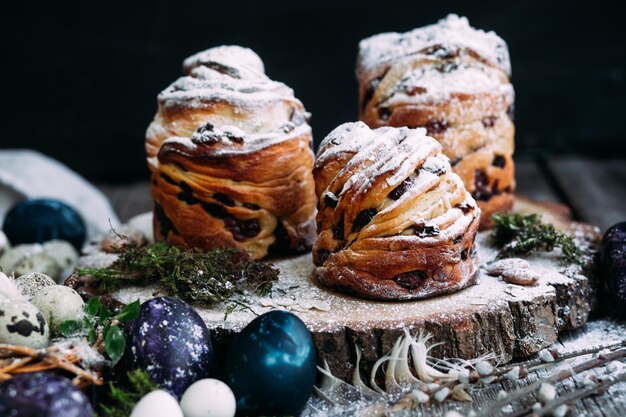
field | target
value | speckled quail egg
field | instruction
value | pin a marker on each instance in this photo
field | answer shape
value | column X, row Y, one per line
column 8, row 288
column 64, row 254
column 208, row 398
column 39, row 262
column 31, row 283
column 21, row 323
column 59, row 304
column 14, row 255
column 158, row 403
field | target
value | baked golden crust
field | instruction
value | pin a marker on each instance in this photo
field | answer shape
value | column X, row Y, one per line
column 454, row 81
column 394, row 222
column 230, row 155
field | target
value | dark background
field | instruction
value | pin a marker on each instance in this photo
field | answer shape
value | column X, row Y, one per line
column 81, row 78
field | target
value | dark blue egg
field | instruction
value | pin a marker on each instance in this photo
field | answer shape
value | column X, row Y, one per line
column 42, row 394
column 41, row 220
column 271, row 365
column 171, row 342
column 613, row 256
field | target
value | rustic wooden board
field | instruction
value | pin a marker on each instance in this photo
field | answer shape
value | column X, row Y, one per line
column 492, row 316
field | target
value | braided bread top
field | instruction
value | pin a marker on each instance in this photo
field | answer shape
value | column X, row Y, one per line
column 225, row 105
column 389, row 182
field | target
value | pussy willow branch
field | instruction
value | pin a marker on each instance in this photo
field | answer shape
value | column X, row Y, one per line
column 530, row 365
column 574, row 395
column 552, row 379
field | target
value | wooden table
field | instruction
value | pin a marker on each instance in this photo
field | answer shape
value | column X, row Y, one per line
column 595, row 190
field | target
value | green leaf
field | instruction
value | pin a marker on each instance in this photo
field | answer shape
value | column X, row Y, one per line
column 130, row 312
column 70, row 328
column 92, row 306
column 92, row 336
column 104, row 314
column 114, row 344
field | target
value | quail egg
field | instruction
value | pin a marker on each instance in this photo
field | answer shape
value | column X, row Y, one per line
column 59, row 304
column 14, row 255
column 64, row 254
column 31, row 283
column 21, row 323
column 39, row 262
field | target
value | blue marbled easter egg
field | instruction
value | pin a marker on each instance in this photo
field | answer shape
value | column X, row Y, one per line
column 41, row 220
column 171, row 342
column 271, row 365
column 42, row 394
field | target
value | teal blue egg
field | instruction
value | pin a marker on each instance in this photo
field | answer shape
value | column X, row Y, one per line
column 44, row 219
column 271, row 365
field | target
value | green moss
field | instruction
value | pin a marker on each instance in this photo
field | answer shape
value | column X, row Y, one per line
column 191, row 275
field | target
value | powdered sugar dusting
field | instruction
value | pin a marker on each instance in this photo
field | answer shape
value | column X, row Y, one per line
column 225, row 88
column 438, row 85
column 452, row 33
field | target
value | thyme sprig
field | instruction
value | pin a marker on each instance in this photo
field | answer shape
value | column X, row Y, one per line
column 516, row 234
column 191, row 275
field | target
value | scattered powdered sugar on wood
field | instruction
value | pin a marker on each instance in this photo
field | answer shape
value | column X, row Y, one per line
column 323, row 310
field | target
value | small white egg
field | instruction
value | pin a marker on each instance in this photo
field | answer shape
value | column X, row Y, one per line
column 13, row 256
column 59, row 304
column 31, row 283
column 65, row 256
column 158, row 403
column 208, row 398
column 4, row 243
column 8, row 288
column 39, row 262
column 21, row 323
column 143, row 223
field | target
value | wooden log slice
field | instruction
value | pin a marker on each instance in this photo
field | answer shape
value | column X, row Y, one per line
column 491, row 317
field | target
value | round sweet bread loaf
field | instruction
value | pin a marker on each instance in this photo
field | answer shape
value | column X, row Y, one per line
column 230, row 155
column 394, row 223
column 452, row 80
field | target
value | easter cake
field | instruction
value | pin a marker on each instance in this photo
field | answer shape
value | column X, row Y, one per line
column 453, row 80
column 230, row 155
